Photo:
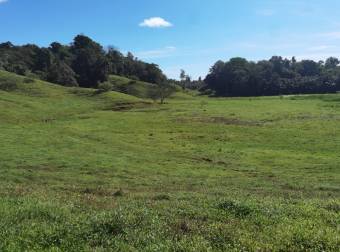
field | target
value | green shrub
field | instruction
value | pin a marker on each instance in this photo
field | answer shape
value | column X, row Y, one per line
column 8, row 84
column 105, row 87
column 238, row 209
column 29, row 80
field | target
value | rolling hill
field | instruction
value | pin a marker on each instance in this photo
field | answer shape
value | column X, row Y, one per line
column 84, row 171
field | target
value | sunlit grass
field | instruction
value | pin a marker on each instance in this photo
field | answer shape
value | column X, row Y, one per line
column 82, row 171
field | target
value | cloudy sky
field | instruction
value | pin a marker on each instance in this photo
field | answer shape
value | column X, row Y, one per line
column 188, row 34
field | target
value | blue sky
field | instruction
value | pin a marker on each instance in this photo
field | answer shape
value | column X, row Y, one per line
column 188, row 34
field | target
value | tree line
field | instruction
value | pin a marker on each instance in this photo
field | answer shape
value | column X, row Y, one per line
column 277, row 76
column 83, row 63
column 86, row 63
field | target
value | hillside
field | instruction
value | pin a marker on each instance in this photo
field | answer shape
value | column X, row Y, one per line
column 136, row 88
column 87, row 171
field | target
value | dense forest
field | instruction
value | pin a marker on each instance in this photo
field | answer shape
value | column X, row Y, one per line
column 86, row 63
column 277, row 76
column 83, row 63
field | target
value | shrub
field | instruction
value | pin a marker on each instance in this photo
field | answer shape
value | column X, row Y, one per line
column 29, row 80
column 238, row 209
column 8, row 84
column 105, row 87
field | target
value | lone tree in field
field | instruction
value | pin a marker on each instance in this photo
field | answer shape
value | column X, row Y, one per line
column 161, row 92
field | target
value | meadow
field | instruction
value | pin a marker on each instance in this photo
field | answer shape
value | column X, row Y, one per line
column 88, row 171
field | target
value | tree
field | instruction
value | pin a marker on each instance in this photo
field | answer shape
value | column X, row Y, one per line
column 183, row 78
column 238, row 77
column 115, row 60
column 87, row 59
column 61, row 52
column 331, row 63
column 161, row 92
column 89, row 62
column 61, row 73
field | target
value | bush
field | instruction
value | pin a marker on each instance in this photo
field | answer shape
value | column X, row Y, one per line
column 8, row 84
column 236, row 208
column 29, row 80
column 105, row 87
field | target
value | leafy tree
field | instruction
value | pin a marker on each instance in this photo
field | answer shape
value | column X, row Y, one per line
column 116, row 61
column 239, row 77
column 86, row 58
column 60, row 73
column 332, row 63
column 89, row 62
column 161, row 92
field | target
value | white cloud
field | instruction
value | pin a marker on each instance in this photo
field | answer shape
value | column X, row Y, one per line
column 3, row 1
column 155, row 22
column 159, row 53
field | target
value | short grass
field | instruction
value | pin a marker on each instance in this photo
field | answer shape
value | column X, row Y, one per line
column 82, row 171
column 132, row 87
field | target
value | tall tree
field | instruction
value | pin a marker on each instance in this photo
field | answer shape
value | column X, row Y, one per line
column 89, row 63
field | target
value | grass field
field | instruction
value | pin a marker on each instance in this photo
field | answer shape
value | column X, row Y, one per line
column 82, row 171
column 132, row 87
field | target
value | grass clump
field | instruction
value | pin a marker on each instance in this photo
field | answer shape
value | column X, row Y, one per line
column 161, row 197
column 236, row 208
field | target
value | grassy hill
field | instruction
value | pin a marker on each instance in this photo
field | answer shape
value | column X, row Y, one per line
column 133, row 87
column 86, row 171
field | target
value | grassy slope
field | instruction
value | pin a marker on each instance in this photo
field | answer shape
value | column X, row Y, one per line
column 195, row 174
column 128, row 86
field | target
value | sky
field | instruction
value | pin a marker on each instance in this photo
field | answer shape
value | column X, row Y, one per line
column 182, row 34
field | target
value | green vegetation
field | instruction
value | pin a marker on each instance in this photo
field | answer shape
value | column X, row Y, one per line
column 133, row 87
column 277, row 76
column 83, row 63
column 82, row 170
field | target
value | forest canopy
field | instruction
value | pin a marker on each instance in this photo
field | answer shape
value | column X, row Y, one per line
column 277, row 76
column 86, row 63
column 83, row 63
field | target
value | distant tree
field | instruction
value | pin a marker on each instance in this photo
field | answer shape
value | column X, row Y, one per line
column 115, row 60
column 60, row 73
column 42, row 60
column 308, row 68
column 89, row 63
column 332, row 63
column 166, row 91
column 6, row 45
column 61, row 52
column 183, row 78
column 161, row 92
column 238, row 77
column 88, row 60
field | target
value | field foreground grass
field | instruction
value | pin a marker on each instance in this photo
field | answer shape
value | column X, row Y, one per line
column 82, row 171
